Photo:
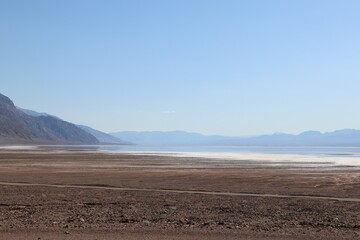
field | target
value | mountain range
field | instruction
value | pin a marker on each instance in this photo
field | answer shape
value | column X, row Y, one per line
column 18, row 127
column 22, row 126
column 173, row 138
column 102, row 137
column 345, row 137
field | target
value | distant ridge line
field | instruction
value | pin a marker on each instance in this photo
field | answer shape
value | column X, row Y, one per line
column 339, row 138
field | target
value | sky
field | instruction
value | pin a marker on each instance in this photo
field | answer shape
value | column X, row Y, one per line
column 208, row 66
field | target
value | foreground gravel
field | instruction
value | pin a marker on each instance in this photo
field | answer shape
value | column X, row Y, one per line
column 68, row 210
column 45, row 212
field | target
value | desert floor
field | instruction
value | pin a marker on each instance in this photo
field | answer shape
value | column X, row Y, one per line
column 51, row 194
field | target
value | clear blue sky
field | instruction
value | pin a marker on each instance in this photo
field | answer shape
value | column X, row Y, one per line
column 214, row 67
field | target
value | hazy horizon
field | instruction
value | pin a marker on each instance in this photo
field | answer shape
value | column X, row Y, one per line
column 35, row 113
column 234, row 68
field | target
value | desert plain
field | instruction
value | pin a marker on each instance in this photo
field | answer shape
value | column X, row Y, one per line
column 74, row 194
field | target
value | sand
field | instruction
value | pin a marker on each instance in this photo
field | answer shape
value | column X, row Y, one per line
column 48, row 194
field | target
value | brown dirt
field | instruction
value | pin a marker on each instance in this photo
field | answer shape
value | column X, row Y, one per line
column 32, row 212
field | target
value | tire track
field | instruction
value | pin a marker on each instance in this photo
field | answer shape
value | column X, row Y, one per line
column 264, row 195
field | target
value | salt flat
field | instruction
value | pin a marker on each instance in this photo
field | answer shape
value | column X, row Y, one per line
column 61, row 194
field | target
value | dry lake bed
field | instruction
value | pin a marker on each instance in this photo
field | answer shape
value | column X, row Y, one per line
column 75, row 194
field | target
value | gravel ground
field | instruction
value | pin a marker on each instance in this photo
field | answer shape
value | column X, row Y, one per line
column 40, row 212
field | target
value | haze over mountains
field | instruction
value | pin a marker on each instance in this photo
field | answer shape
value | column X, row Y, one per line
column 173, row 138
column 346, row 137
column 19, row 126
column 103, row 137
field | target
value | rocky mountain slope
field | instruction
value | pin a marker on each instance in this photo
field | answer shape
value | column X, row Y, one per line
column 18, row 127
column 102, row 137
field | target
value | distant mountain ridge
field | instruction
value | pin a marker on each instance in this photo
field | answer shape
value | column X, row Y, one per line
column 102, row 137
column 26, row 126
column 19, row 127
column 36, row 114
column 160, row 138
column 174, row 138
column 345, row 137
